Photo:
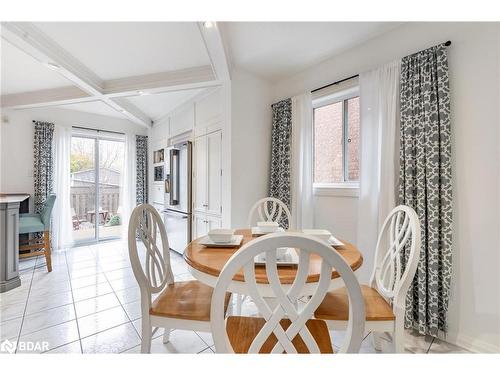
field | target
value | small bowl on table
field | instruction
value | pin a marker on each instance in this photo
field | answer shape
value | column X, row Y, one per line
column 221, row 235
column 268, row 226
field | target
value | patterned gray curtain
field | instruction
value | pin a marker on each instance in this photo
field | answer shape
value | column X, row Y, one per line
column 281, row 147
column 425, row 182
column 43, row 162
column 141, row 184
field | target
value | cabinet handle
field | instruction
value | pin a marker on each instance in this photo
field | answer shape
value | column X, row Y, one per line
column 205, row 205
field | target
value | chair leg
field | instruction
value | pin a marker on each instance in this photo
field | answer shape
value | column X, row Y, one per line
column 166, row 335
column 146, row 335
column 48, row 254
column 398, row 338
column 376, row 341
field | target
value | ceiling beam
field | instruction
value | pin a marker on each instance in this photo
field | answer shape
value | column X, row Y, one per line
column 35, row 43
column 127, row 109
column 191, row 78
column 89, row 87
column 185, row 79
column 45, row 98
column 32, row 41
column 214, row 43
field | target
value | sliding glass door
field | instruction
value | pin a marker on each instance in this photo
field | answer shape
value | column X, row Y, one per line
column 111, row 157
column 95, row 192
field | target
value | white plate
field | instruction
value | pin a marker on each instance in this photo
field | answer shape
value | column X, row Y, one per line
column 235, row 242
column 335, row 242
column 291, row 258
column 257, row 232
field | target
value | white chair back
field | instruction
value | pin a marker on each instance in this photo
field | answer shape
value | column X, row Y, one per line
column 286, row 296
column 153, row 272
column 270, row 209
column 401, row 229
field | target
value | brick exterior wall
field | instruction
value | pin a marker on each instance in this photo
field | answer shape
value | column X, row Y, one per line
column 328, row 156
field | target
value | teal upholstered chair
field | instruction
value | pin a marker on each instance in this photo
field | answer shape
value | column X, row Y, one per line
column 37, row 223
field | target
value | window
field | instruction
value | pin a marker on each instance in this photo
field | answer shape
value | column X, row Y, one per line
column 336, row 140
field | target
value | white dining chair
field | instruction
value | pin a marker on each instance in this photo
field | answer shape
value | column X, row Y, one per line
column 282, row 325
column 385, row 296
column 179, row 305
column 270, row 209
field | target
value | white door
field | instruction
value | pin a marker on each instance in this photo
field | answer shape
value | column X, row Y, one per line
column 214, row 173
column 200, row 174
column 213, row 222
column 200, row 227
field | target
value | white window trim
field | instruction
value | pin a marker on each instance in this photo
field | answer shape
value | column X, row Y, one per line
column 339, row 189
column 342, row 189
column 335, row 97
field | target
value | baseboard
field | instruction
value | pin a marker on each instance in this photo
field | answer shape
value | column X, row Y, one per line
column 472, row 344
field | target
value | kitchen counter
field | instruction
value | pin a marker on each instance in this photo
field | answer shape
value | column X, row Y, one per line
column 9, row 240
column 13, row 198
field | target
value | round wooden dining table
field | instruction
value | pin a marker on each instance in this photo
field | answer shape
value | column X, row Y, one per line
column 206, row 263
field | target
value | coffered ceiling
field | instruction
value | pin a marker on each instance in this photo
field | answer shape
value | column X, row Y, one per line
column 123, row 49
column 134, row 70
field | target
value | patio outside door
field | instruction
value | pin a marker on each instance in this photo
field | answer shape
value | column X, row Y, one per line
column 95, row 192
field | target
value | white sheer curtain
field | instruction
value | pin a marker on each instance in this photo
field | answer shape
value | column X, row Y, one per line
column 302, row 162
column 127, row 183
column 62, row 227
column 379, row 96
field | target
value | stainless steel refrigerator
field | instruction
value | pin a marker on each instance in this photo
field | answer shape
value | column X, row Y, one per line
column 178, row 192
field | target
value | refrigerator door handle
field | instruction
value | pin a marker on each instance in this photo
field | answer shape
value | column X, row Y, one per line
column 174, row 177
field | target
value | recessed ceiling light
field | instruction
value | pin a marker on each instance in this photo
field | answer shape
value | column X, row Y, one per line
column 51, row 65
column 208, row 24
column 142, row 92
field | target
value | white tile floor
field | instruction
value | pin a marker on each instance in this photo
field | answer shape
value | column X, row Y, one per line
column 89, row 303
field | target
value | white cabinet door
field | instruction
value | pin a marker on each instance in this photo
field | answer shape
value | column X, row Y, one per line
column 202, row 224
column 213, row 222
column 200, row 227
column 158, row 193
column 200, row 174
column 214, row 173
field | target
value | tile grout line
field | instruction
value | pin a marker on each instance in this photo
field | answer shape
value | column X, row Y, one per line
column 429, row 348
column 201, row 338
column 25, row 306
column 73, row 299
column 123, row 308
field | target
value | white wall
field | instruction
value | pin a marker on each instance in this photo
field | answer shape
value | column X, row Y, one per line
column 250, row 143
column 474, row 59
column 16, row 153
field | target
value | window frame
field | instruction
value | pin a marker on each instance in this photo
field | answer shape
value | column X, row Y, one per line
column 346, row 187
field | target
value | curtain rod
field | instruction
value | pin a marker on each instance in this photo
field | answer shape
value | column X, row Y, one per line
column 335, row 83
column 98, row 130
column 447, row 44
column 94, row 129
